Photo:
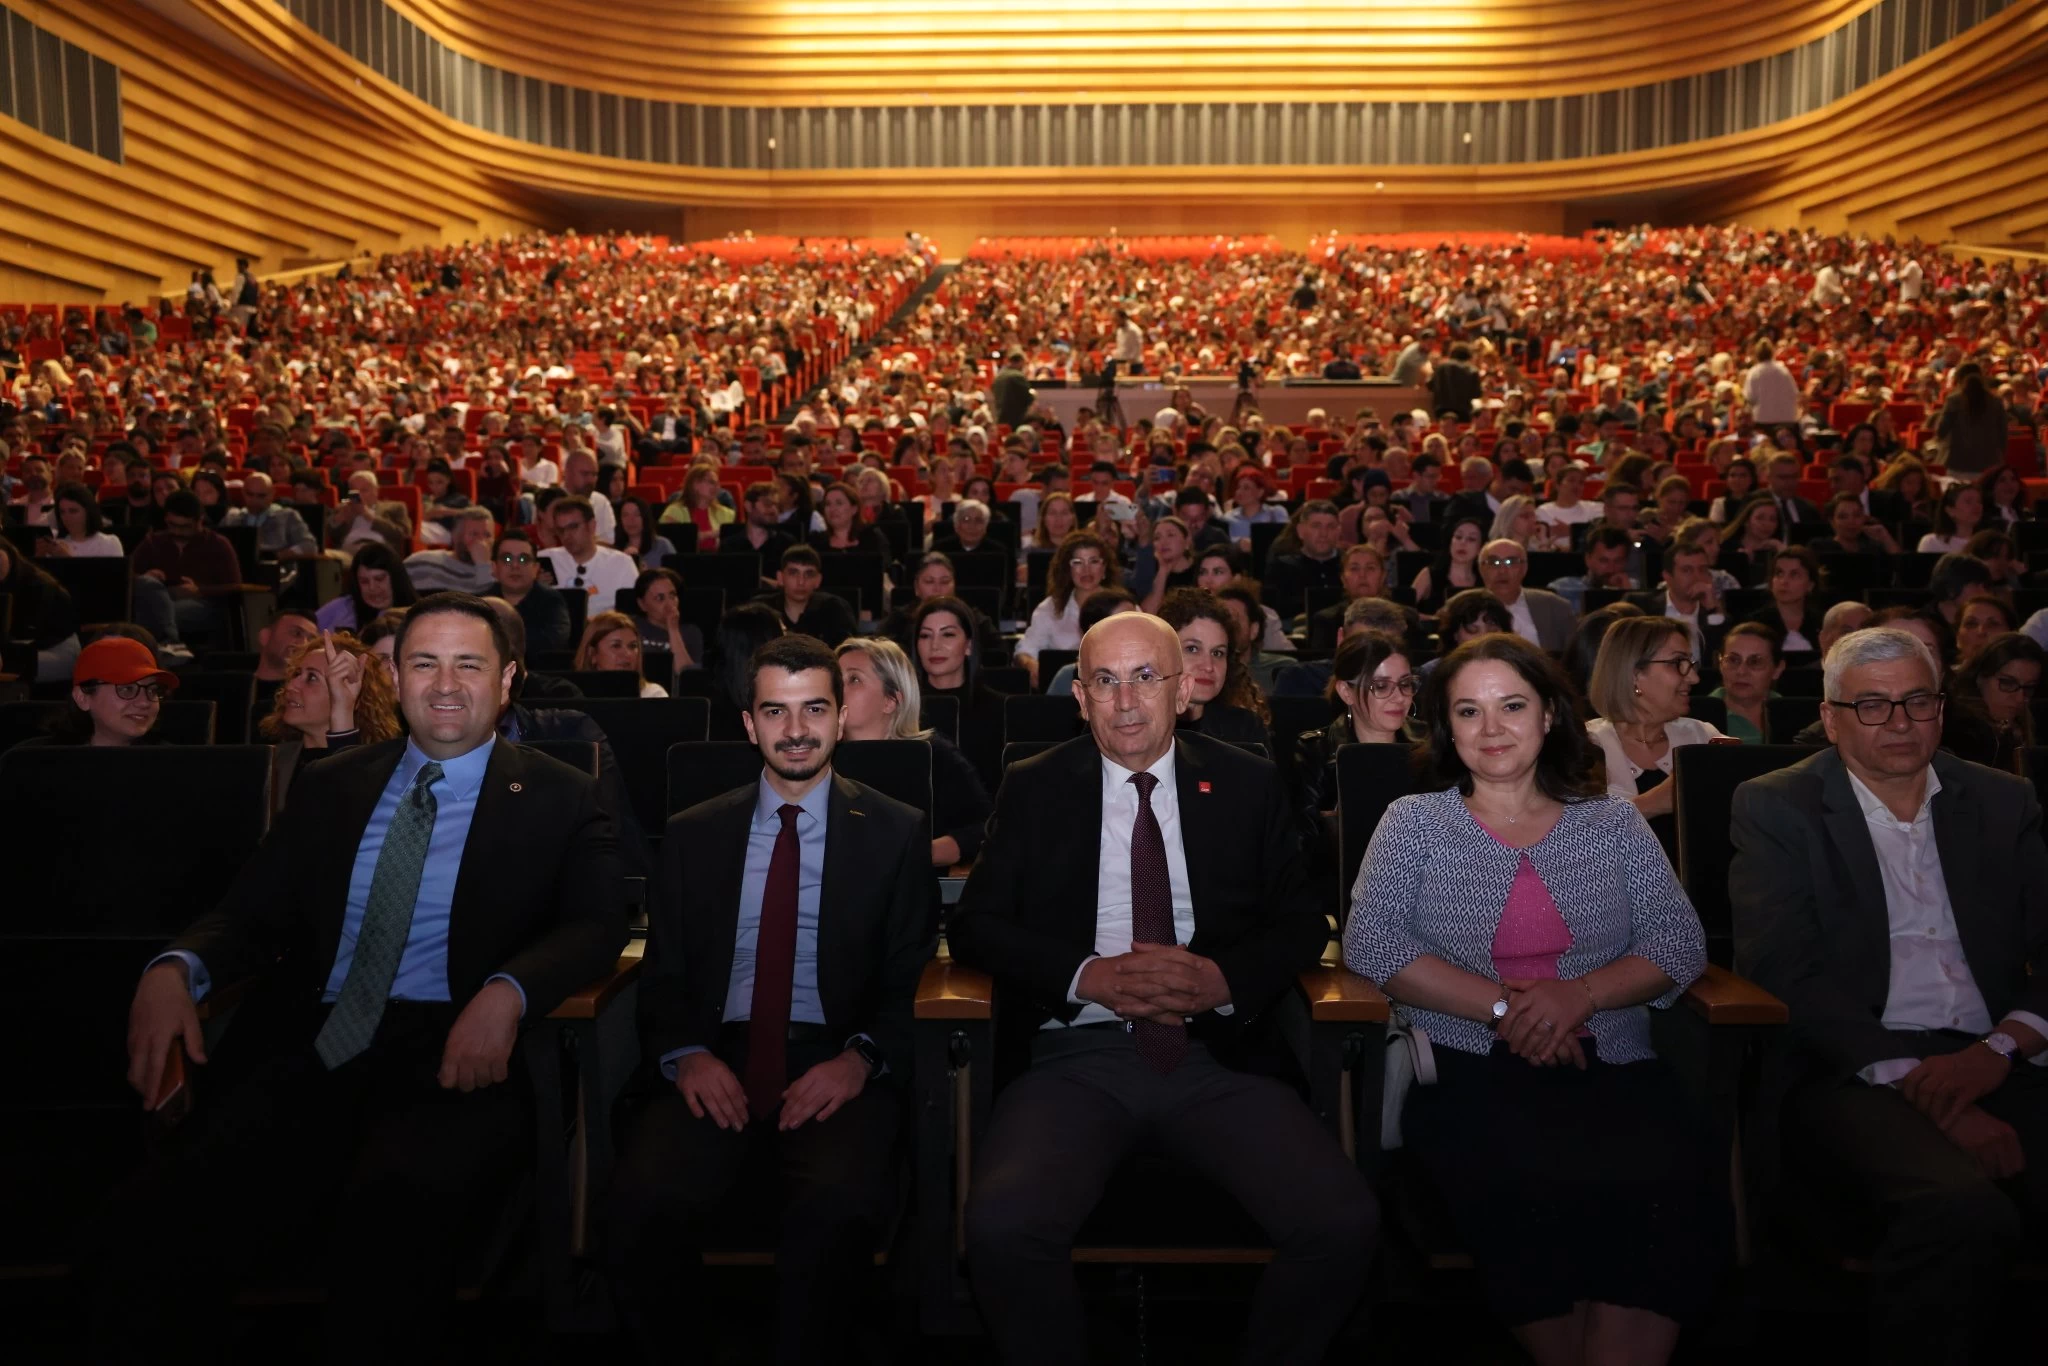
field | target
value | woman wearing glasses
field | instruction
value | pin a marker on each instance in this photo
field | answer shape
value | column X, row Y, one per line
column 1994, row 689
column 1223, row 703
column 1640, row 691
column 1372, row 679
column 1082, row 564
column 117, row 694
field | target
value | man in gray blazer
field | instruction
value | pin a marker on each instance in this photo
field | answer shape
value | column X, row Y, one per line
column 1541, row 617
column 1896, row 898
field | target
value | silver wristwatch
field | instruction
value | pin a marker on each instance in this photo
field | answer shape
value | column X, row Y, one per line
column 1500, row 1011
column 2002, row 1044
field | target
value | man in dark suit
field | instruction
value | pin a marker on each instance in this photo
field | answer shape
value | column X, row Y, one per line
column 1136, row 976
column 417, row 903
column 1688, row 596
column 804, row 609
column 1316, row 565
column 1896, row 898
column 1541, row 617
column 1782, row 476
column 782, row 969
column 1364, row 576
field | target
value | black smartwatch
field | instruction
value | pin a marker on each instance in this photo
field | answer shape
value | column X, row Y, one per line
column 869, row 1054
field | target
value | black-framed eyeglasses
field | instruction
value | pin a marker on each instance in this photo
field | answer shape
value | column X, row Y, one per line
column 1145, row 682
column 1682, row 665
column 1407, row 685
column 515, row 559
column 128, row 692
column 2007, row 683
column 1877, row 711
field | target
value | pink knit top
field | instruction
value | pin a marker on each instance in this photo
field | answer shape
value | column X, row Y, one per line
column 1532, row 936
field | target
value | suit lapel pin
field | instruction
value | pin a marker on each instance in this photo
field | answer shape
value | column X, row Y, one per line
column 517, row 788
column 1202, row 786
column 855, row 811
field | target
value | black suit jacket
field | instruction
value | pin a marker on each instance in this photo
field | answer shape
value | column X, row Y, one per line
column 1809, row 903
column 540, row 897
column 877, row 921
column 1652, row 602
column 1028, row 912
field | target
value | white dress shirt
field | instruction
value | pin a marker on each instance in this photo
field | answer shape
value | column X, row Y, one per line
column 1113, row 871
column 1524, row 619
column 1931, row 984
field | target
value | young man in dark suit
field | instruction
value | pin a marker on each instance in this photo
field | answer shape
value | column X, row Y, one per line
column 782, row 968
column 417, row 903
column 1142, row 905
column 1896, row 898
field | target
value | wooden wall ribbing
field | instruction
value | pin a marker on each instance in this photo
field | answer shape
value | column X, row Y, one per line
column 220, row 160
column 841, row 51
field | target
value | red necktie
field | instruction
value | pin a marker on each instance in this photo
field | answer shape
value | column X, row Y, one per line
column 774, row 974
column 1162, row 1045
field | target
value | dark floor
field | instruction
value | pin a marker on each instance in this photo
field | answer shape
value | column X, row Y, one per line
column 1190, row 1319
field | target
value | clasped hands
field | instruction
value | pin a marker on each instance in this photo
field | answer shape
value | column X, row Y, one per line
column 1543, row 1020
column 1160, row 982
column 1946, row 1089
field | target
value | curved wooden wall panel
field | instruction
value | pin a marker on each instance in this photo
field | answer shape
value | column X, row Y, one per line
column 838, row 51
column 1083, row 127
column 219, row 160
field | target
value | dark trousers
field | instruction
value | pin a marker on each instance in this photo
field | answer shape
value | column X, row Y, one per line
column 1061, row 1130
column 1948, row 1232
column 383, row 1176
column 832, row 1184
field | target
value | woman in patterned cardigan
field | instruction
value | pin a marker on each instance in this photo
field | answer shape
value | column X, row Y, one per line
column 1526, row 921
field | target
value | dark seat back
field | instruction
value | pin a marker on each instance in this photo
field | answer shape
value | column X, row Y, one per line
column 100, row 588
column 1040, row 716
column 641, row 732
column 598, row 682
column 1050, row 662
column 1706, row 778
column 182, row 721
column 1785, row 717
column 232, row 694
column 1712, row 710
column 738, row 575
column 1369, row 779
column 580, row 755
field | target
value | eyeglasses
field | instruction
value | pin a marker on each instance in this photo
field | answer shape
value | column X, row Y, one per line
column 128, row 692
column 1103, row 687
column 1085, row 562
column 2007, row 683
column 1877, row 711
column 1501, row 561
column 1406, row 685
column 515, row 559
column 1682, row 665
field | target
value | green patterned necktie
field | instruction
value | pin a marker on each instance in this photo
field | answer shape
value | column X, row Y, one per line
column 387, row 919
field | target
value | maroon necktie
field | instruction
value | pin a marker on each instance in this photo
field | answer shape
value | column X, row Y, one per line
column 774, row 973
column 1162, row 1045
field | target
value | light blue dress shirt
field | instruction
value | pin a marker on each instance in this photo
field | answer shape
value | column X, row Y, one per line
column 423, row 966
column 805, row 1005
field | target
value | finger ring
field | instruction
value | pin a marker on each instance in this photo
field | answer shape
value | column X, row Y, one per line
column 1545, row 1024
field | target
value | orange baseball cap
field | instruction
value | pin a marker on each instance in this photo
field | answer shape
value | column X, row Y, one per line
column 117, row 659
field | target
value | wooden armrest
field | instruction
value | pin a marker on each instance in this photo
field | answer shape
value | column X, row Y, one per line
column 1721, row 998
column 590, row 1002
column 958, row 870
column 949, row 991
column 1337, row 994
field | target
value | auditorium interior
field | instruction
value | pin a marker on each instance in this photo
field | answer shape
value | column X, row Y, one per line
column 672, row 329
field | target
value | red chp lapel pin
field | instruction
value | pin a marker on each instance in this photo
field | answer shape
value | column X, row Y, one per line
column 1202, row 786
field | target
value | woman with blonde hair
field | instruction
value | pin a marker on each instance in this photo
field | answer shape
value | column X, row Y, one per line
column 336, row 694
column 1641, row 690
column 611, row 642
column 697, row 504
column 1517, row 521
column 883, row 702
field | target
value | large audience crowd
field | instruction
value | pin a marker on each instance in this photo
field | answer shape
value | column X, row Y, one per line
column 1661, row 487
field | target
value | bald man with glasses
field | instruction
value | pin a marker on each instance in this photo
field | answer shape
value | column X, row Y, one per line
column 1143, row 906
